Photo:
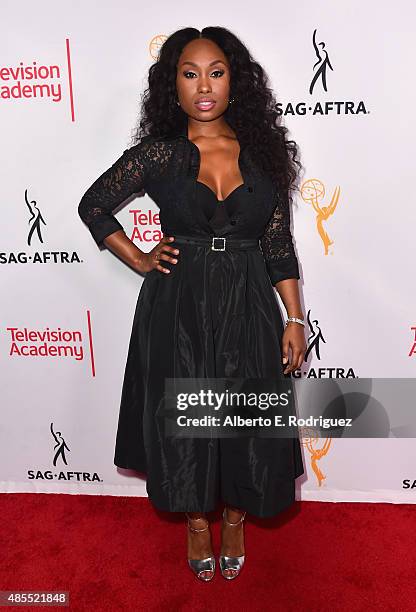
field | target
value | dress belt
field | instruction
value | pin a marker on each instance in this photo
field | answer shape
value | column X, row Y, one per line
column 218, row 243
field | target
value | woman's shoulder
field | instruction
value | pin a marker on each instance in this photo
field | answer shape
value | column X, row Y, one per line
column 149, row 141
column 156, row 150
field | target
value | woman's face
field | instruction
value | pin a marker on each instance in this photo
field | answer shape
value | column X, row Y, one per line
column 203, row 73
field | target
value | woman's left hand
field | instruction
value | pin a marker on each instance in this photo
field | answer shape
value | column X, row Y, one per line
column 293, row 338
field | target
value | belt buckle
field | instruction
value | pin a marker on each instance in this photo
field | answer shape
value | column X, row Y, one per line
column 213, row 243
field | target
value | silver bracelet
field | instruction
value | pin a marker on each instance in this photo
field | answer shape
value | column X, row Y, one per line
column 296, row 320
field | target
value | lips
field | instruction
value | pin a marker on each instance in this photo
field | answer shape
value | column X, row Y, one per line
column 205, row 104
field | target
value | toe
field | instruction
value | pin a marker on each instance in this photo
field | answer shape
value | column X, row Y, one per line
column 206, row 574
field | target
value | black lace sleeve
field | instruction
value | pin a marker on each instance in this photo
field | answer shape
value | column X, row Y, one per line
column 277, row 246
column 125, row 177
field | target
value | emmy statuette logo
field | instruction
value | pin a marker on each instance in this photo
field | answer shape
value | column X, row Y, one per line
column 317, row 448
column 313, row 192
column 155, row 45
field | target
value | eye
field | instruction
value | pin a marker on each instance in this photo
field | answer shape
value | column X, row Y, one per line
column 190, row 72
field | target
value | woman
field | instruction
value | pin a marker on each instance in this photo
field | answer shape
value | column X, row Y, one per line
column 210, row 152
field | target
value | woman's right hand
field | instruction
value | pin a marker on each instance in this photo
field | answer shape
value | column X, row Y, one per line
column 152, row 260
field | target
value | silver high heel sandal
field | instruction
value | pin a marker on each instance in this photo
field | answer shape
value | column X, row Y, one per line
column 199, row 566
column 231, row 563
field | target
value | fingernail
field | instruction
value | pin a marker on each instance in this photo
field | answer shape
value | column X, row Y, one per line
column 284, row 359
column 176, row 251
column 175, row 261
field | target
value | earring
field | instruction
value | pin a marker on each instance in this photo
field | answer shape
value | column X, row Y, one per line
column 231, row 101
column 178, row 103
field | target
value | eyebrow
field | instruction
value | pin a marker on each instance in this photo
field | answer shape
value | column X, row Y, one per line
column 210, row 64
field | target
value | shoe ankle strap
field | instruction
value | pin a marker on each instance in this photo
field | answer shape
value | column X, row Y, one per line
column 240, row 520
column 196, row 519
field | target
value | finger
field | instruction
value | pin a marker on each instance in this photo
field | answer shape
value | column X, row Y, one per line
column 287, row 369
column 294, row 360
column 296, row 356
column 297, row 364
column 170, row 249
column 162, row 269
column 286, row 366
column 163, row 245
column 291, row 363
column 300, row 360
column 167, row 258
column 285, row 351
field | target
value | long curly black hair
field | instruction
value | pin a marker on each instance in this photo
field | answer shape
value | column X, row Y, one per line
column 253, row 115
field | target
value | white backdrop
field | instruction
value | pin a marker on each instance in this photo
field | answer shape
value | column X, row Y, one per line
column 61, row 130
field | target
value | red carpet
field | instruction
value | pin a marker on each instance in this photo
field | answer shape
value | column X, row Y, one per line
column 118, row 553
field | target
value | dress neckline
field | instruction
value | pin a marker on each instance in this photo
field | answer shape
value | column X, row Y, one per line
column 215, row 195
column 197, row 167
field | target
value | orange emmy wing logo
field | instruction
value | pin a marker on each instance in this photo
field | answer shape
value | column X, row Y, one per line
column 156, row 44
column 312, row 192
column 309, row 440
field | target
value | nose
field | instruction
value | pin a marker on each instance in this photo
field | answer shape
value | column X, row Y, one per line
column 204, row 85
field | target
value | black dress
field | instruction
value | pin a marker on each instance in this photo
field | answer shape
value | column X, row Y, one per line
column 214, row 315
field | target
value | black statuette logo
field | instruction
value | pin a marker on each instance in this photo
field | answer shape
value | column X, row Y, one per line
column 321, row 65
column 36, row 226
column 315, row 337
column 35, row 219
column 60, row 446
column 315, row 107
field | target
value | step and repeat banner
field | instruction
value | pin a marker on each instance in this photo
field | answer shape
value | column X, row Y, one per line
column 70, row 83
